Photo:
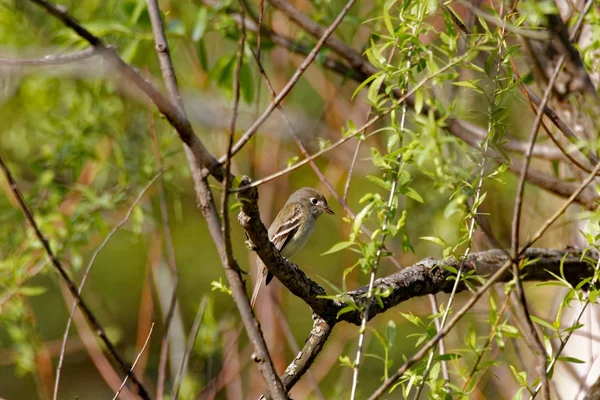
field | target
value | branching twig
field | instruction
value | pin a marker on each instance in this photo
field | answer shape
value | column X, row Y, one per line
column 292, row 81
column 189, row 347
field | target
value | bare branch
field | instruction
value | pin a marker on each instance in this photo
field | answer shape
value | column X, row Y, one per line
column 135, row 362
column 50, row 60
column 292, row 81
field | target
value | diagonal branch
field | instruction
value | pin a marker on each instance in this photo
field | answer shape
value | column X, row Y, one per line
column 90, row 317
column 293, row 80
column 178, row 120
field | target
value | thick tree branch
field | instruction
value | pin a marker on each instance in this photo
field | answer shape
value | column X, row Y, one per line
column 312, row 347
column 431, row 276
column 425, row 277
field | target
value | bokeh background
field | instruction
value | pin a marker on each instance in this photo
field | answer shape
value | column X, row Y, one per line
column 80, row 142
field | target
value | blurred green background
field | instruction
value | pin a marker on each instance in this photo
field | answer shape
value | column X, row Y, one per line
column 78, row 139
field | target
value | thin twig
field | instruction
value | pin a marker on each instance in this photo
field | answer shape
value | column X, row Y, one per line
column 225, row 227
column 487, row 343
column 135, row 362
column 50, row 60
column 63, row 345
column 91, row 318
column 384, row 229
column 189, row 347
column 292, row 81
column 352, row 164
column 164, row 212
column 373, row 273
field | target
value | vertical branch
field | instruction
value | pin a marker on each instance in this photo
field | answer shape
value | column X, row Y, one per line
column 164, row 345
column 516, row 224
column 209, row 211
column 188, row 348
column 236, row 100
column 363, row 324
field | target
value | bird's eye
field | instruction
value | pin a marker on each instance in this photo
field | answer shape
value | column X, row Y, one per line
column 314, row 201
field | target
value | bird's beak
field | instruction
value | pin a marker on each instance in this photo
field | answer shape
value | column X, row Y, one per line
column 328, row 210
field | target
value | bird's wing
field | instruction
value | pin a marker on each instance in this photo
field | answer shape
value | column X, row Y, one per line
column 284, row 233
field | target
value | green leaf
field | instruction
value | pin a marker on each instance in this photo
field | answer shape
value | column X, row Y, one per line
column 447, row 357
column 571, row 360
column 373, row 92
column 543, row 323
column 338, row 247
column 32, row 290
column 357, row 223
column 345, row 310
column 435, row 240
column 390, row 334
column 246, row 83
column 413, row 194
column 200, row 24
column 380, row 182
column 130, row 51
column 365, row 83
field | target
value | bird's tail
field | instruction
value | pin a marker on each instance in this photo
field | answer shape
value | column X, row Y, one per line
column 259, row 282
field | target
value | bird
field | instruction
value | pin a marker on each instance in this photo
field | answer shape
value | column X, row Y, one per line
column 292, row 228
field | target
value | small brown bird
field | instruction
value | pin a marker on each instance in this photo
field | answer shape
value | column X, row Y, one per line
column 292, row 227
